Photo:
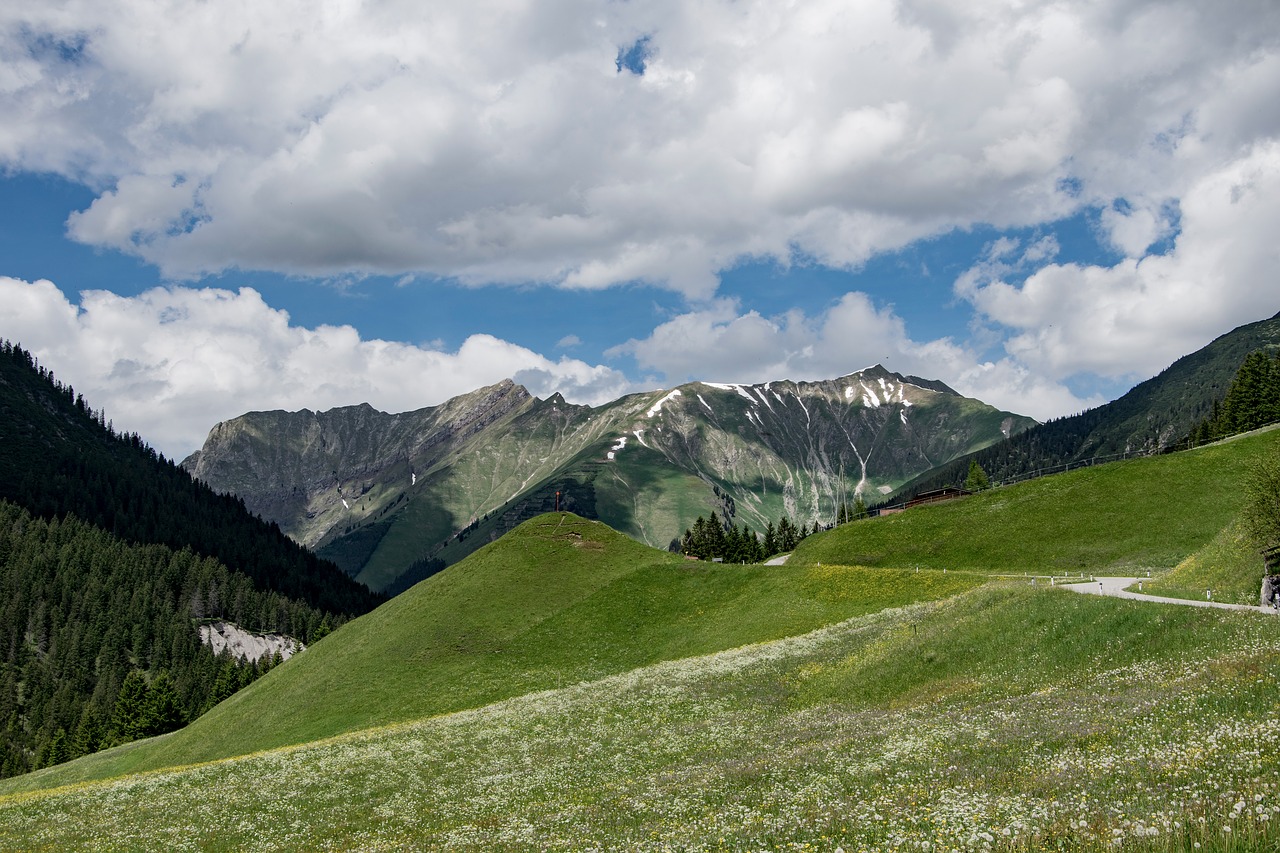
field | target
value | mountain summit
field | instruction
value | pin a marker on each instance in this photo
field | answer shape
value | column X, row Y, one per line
column 385, row 494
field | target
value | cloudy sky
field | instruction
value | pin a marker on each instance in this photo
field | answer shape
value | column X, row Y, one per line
column 208, row 208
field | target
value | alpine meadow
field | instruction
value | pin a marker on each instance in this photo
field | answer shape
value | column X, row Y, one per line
column 919, row 680
column 558, row 426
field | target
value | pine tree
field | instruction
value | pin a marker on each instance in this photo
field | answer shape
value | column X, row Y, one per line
column 977, row 480
column 88, row 735
column 770, row 544
column 58, row 750
column 786, row 536
column 129, row 717
column 716, row 544
column 163, row 712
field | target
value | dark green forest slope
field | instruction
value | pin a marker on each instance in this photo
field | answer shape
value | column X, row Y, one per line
column 59, row 457
column 109, row 556
column 98, row 644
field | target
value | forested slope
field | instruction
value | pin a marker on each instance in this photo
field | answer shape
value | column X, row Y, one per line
column 1191, row 398
column 97, row 639
column 109, row 556
column 58, row 456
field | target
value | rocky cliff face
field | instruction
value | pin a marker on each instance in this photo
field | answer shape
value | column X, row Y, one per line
column 377, row 492
column 306, row 470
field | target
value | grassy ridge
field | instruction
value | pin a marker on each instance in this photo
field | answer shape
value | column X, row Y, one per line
column 1144, row 513
column 1010, row 717
column 560, row 600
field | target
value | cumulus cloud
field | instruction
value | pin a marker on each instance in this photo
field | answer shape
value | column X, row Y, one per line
column 585, row 145
column 171, row 362
column 1136, row 317
column 499, row 141
column 723, row 343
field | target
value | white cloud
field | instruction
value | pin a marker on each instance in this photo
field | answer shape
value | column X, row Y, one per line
column 171, row 362
column 720, row 343
column 1137, row 317
column 498, row 141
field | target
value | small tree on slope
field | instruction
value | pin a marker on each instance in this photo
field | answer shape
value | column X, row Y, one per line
column 977, row 481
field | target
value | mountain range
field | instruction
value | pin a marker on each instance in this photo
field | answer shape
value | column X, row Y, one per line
column 391, row 497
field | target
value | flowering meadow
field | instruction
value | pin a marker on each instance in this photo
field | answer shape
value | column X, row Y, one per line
column 1005, row 718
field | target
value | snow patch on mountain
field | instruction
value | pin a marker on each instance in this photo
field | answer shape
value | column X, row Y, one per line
column 657, row 407
column 869, row 397
column 803, row 407
column 730, row 387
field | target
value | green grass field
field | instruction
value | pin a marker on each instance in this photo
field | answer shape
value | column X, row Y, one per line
column 559, row 601
column 566, row 688
column 1112, row 519
column 1007, row 717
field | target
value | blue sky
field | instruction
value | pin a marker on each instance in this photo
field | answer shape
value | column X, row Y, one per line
column 311, row 205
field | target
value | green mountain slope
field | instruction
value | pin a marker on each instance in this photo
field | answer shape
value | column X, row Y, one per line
column 1153, row 416
column 558, row 601
column 563, row 600
column 377, row 492
column 1114, row 518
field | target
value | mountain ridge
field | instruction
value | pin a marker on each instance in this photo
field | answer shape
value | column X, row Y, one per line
column 378, row 492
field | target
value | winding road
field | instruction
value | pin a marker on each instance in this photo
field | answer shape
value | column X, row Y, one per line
column 1117, row 587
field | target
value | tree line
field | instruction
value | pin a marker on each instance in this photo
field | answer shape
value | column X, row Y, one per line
column 712, row 539
column 99, row 638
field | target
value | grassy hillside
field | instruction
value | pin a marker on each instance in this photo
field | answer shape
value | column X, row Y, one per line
column 558, row 601
column 1010, row 718
column 1229, row 565
column 1143, row 513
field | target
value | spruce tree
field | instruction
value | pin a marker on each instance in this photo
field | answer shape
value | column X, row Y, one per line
column 770, row 544
column 163, row 712
column 977, row 480
column 786, row 536
column 129, row 717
